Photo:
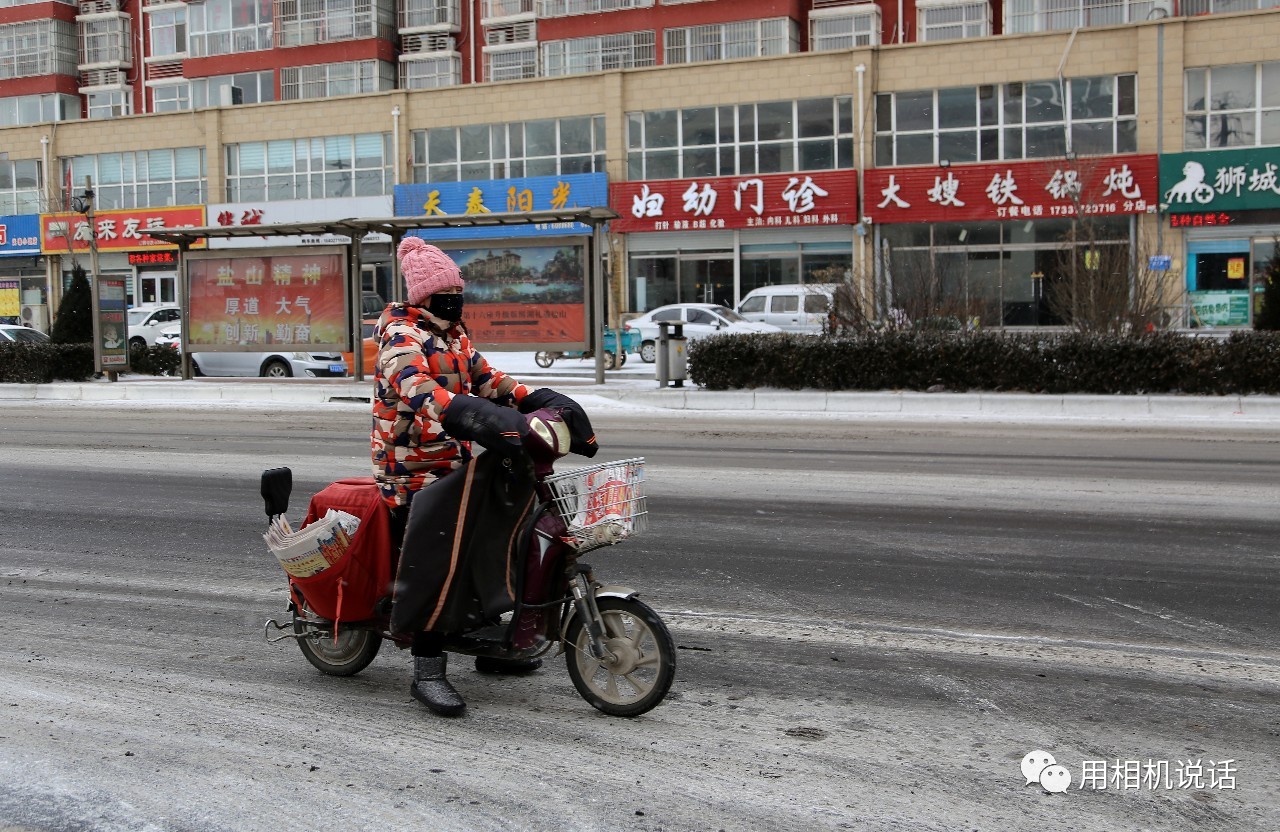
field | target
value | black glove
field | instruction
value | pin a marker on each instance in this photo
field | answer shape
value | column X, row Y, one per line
column 582, row 437
column 496, row 428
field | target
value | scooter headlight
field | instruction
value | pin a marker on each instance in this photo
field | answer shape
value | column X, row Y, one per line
column 555, row 434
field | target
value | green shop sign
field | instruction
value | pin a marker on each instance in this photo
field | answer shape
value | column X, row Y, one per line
column 1220, row 308
column 1220, row 180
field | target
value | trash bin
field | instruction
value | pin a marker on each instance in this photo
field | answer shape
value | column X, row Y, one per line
column 671, row 367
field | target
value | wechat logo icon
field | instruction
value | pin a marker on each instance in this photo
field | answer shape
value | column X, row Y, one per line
column 1040, row 767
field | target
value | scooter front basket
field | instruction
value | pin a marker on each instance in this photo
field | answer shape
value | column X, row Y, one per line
column 601, row 504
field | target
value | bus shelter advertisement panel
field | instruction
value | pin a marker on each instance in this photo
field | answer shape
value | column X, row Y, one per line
column 267, row 301
column 526, row 295
column 113, row 328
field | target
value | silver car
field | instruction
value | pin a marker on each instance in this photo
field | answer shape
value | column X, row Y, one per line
column 22, row 334
column 264, row 364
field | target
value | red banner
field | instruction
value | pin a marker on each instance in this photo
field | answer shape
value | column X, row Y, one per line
column 252, row 304
column 776, row 200
column 116, row 230
column 1040, row 188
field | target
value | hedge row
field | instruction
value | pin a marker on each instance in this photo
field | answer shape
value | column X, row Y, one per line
column 1245, row 362
column 23, row 363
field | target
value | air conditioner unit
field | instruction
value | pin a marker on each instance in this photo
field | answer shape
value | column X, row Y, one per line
column 1160, row 9
column 230, row 95
column 36, row 316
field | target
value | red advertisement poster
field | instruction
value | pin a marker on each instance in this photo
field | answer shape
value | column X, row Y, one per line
column 523, row 323
column 116, row 230
column 255, row 303
column 1040, row 188
column 776, row 200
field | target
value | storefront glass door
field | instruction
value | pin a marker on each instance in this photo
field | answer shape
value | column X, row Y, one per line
column 1218, row 282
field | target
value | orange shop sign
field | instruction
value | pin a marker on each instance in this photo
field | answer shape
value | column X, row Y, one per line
column 263, row 302
column 124, row 229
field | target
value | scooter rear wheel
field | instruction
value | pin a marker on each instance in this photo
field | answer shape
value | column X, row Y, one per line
column 544, row 359
column 348, row 655
column 644, row 663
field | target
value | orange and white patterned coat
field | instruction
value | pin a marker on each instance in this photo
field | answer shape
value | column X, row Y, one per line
column 423, row 362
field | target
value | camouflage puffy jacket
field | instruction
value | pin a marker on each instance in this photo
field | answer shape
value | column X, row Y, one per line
column 422, row 364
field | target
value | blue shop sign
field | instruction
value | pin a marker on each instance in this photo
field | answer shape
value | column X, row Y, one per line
column 19, row 235
column 533, row 193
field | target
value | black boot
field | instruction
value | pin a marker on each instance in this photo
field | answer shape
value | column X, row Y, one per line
column 507, row 667
column 432, row 688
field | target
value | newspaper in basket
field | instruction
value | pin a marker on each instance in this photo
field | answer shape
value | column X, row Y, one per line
column 601, row 504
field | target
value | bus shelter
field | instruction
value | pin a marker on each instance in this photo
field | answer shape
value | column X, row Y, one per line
column 335, row 270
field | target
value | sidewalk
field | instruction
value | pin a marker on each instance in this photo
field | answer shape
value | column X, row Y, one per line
column 634, row 386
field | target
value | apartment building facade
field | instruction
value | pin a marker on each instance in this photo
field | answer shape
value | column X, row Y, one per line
column 956, row 145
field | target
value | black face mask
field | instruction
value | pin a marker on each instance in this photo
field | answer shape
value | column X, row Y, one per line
column 446, row 307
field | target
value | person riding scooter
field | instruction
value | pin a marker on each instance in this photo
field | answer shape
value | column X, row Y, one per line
column 433, row 393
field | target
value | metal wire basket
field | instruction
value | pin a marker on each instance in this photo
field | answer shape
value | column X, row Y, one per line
column 601, row 504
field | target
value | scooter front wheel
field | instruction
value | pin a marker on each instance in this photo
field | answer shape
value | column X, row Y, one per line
column 643, row 663
column 544, row 359
column 347, row 655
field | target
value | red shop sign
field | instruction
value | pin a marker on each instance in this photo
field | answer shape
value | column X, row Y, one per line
column 776, row 200
column 1040, row 188
column 116, row 230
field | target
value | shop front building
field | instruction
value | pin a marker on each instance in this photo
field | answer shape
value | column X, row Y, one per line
column 23, row 299
column 720, row 200
column 149, row 266
column 995, row 245
column 1226, row 206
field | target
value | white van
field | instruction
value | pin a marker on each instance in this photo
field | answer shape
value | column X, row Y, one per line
column 792, row 307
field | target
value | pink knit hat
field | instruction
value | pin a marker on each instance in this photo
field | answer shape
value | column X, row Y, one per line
column 426, row 270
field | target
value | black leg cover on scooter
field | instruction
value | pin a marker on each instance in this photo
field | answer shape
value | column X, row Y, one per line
column 582, row 437
column 458, row 565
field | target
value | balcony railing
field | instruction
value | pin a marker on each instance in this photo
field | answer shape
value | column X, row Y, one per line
column 429, row 14
column 250, row 39
column 564, row 8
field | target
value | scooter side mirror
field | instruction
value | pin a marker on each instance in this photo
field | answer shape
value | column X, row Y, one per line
column 277, row 485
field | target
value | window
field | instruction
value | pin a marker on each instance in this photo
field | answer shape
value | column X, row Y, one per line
column 1233, row 106
column 109, row 104
column 41, row 47
column 20, row 185
column 222, row 27
column 1198, row 7
column 769, row 137
column 416, row 14
column 334, row 166
column 1050, row 15
column 429, row 73
column 511, row 64
column 1007, row 121
column 853, row 26
column 143, row 178
column 170, row 98
column 168, row 33
column 106, row 42
column 327, row 80
column 725, row 41
column 596, row 53
column 947, row 20
column 550, row 147
column 561, row 8
column 34, row 109
column 241, row 88
column 302, row 22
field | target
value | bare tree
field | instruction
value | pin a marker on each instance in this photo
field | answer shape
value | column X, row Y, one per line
column 929, row 291
column 1105, row 285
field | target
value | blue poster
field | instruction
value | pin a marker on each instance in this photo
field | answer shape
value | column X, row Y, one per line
column 534, row 193
column 19, row 235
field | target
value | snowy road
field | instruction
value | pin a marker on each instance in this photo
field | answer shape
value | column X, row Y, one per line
column 876, row 622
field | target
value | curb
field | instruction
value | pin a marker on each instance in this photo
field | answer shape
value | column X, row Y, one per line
column 886, row 403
